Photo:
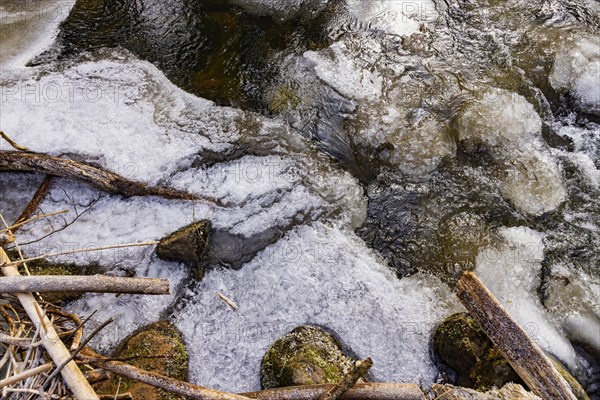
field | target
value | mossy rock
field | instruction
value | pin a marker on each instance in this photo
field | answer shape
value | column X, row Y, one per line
column 307, row 355
column 462, row 345
column 186, row 245
column 44, row 267
column 158, row 348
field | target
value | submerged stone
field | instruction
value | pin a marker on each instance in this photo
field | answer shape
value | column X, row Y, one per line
column 306, row 356
column 186, row 245
column 157, row 348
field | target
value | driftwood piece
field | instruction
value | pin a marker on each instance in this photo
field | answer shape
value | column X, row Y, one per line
column 360, row 368
column 524, row 355
column 97, row 177
column 72, row 375
column 360, row 391
column 157, row 380
column 11, row 380
column 97, row 375
column 83, row 283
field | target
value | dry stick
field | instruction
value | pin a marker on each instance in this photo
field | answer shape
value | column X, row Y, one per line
column 13, row 143
column 97, row 375
column 524, row 355
column 160, row 381
column 360, row 368
column 35, row 201
column 78, row 332
column 17, row 225
column 77, row 350
column 94, row 176
column 360, row 391
column 71, row 374
column 63, row 253
column 25, row 374
column 83, row 283
column 15, row 341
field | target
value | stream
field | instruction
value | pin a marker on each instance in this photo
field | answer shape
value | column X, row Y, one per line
column 366, row 153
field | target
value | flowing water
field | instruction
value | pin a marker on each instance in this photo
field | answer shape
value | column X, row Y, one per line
column 364, row 152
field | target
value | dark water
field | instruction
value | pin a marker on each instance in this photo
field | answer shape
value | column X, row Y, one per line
column 210, row 48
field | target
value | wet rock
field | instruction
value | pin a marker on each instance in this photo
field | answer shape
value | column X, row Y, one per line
column 307, row 355
column 510, row 391
column 461, row 345
column 163, row 342
column 186, row 245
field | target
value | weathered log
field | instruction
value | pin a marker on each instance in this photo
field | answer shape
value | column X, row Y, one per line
column 72, row 375
column 97, row 177
column 360, row 391
column 360, row 368
column 524, row 355
column 11, row 380
column 157, row 380
column 83, row 283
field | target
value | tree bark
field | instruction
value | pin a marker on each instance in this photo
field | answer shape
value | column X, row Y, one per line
column 360, row 391
column 94, row 176
column 72, row 375
column 75, row 283
column 524, row 355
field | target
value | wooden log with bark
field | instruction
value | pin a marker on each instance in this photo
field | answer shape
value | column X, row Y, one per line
column 523, row 354
column 99, row 178
column 360, row 391
column 83, row 283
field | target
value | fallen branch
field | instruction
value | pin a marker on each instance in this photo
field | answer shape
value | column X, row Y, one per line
column 524, row 355
column 360, row 368
column 361, row 391
column 160, row 381
column 25, row 374
column 83, row 283
column 35, row 201
column 97, row 177
column 72, row 376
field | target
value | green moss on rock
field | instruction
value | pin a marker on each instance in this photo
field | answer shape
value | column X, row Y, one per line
column 307, row 355
column 158, row 348
column 186, row 245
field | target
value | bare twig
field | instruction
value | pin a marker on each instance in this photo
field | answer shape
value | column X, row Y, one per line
column 81, row 346
column 360, row 368
column 25, row 374
column 14, row 226
column 13, row 143
column 228, row 301
column 62, row 253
